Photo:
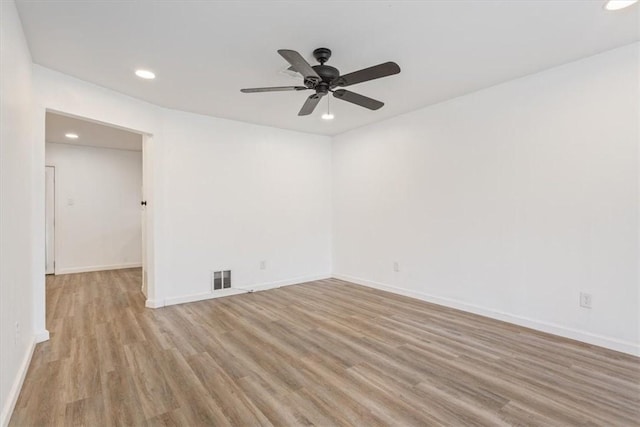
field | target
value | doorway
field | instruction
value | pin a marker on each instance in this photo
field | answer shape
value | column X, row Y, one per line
column 94, row 216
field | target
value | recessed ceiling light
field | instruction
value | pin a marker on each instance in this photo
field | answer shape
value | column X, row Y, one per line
column 145, row 74
column 71, row 135
column 619, row 4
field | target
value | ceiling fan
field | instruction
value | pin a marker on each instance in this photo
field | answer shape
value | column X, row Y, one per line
column 324, row 79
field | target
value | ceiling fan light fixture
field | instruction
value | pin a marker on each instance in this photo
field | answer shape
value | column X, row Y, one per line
column 619, row 4
column 328, row 115
column 323, row 79
column 71, row 135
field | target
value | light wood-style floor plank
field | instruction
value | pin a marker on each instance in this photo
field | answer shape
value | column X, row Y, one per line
column 322, row 353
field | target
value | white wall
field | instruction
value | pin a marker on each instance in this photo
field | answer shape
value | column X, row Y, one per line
column 284, row 176
column 508, row 202
column 16, row 210
column 98, row 194
column 238, row 194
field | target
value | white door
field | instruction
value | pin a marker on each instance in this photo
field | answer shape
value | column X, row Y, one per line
column 144, row 246
column 49, row 228
column 143, row 213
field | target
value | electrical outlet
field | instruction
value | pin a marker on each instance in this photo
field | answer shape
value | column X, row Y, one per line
column 263, row 265
column 396, row 266
column 585, row 300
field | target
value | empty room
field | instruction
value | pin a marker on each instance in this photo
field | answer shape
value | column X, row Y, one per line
column 328, row 213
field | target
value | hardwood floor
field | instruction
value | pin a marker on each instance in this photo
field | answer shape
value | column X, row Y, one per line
column 321, row 353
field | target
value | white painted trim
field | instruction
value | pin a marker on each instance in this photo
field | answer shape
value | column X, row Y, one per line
column 42, row 336
column 203, row 296
column 55, row 216
column 286, row 282
column 71, row 270
column 233, row 291
column 148, row 181
column 12, row 397
column 151, row 303
column 627, row 347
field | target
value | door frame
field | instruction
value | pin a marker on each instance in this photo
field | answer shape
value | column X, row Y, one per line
column 145, row 215
column 87, row 102
column 53, row 242
column 148, row 181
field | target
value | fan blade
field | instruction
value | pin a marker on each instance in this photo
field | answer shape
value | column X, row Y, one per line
column 298, row 63
column 272, row 89
column 310, row 104
column 356, row 98
column 366, row 74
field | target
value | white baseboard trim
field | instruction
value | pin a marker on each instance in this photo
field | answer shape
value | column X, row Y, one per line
column 14, row 392
column 42, row 336
column 202, row 296
column 627, row 347
column 286, row 282
column 88, row 269
column 233, row 291
column 153, row 303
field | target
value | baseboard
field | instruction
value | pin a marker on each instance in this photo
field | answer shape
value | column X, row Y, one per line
column 88, row 269
column 153, row 303
column 554, row 329
column 14, row 392
column 202, row 296
column 42, row 336
column 287, row 282
column 232, row 291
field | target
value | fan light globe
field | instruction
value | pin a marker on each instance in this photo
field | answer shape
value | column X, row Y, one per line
column 327, row 116
column 145, row 74
column 619, row 4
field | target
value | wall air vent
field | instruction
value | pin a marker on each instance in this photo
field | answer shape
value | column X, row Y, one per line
column 220, row 280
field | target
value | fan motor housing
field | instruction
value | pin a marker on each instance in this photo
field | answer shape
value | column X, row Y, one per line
column 326, row 72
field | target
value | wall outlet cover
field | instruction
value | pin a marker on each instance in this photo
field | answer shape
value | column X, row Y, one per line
column 585, row 300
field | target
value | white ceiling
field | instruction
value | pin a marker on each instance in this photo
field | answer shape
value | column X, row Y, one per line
column 89, row 133
column 204, row 52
